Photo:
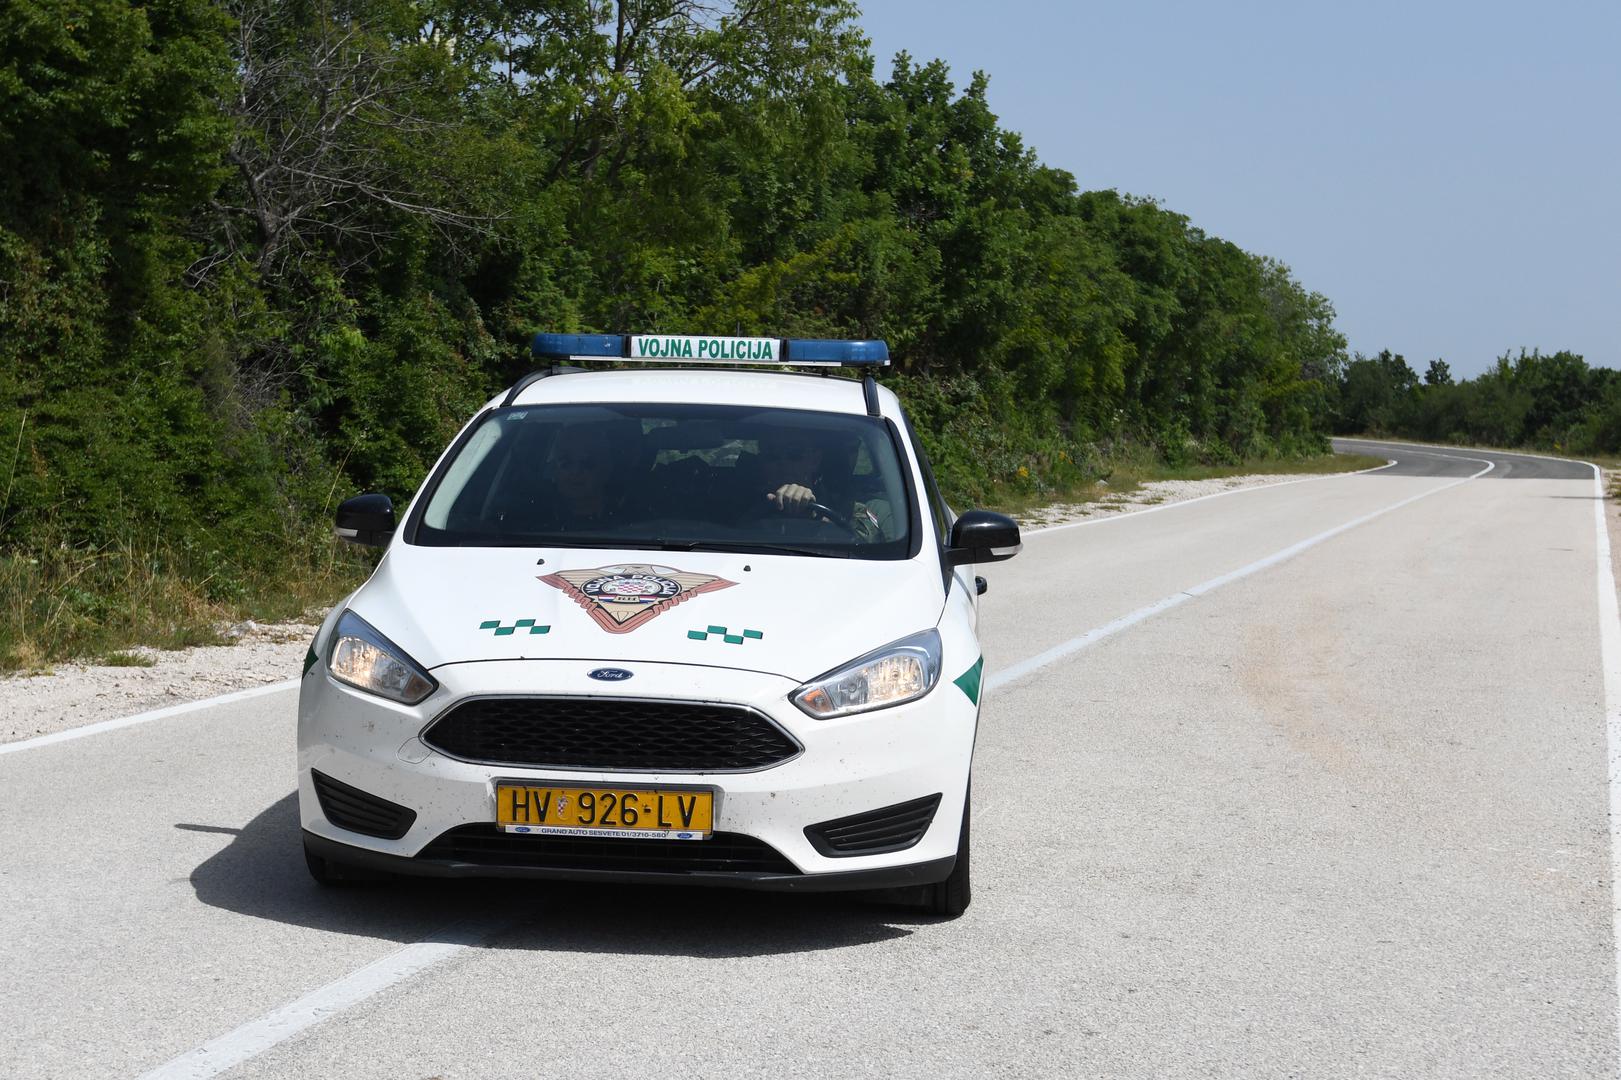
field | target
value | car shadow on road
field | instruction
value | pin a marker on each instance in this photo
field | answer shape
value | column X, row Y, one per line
column 261, row 873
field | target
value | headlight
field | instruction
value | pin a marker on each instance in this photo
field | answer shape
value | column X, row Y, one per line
column 901, row 671
column 368, row 661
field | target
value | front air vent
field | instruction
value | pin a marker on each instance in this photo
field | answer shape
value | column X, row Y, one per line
column 893, row 828
column 484, row 844
column 359, row 811
column 606, row 733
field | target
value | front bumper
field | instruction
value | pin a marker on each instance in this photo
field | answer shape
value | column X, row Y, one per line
column 849, row 766
column 883, row 877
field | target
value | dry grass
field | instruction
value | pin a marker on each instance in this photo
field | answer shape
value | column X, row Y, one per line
column 128, row 659
column 63, row 602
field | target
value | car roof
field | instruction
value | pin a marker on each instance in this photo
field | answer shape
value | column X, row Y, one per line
column 761, row 389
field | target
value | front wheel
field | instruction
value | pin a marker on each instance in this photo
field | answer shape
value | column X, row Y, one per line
column 949, row 898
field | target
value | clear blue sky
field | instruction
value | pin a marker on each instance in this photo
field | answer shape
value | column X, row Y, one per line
column 1449, row 175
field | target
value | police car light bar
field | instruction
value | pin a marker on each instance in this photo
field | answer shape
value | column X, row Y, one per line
column 683, row 349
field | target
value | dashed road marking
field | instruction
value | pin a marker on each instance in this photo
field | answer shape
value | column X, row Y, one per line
column 255, row 1037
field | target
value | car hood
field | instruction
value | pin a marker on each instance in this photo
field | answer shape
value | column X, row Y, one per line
column 795, row 616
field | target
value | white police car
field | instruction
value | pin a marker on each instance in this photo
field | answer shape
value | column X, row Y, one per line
column 704, row 625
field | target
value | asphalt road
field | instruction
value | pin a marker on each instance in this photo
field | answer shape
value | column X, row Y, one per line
column 1418, row 460
column 1307, row 780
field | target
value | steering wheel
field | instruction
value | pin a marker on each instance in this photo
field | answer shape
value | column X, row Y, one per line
column 822, row 510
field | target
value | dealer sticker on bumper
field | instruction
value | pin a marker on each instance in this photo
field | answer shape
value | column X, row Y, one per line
column 639, row 813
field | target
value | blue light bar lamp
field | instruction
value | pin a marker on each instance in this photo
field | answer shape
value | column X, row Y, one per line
column 819, row 352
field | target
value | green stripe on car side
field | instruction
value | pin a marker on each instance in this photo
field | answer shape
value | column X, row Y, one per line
column 968, row 681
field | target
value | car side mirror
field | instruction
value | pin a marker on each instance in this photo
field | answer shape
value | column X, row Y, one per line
column 366, row 519
column 980, row 536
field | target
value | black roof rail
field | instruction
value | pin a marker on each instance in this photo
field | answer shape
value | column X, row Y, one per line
column 534, row 377
column 869, row 390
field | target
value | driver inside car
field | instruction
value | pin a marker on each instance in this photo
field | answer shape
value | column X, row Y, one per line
column 796, row 467
column 797, row 462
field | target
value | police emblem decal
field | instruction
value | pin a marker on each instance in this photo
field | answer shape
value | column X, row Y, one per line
column 631, row 588
column 621, row 598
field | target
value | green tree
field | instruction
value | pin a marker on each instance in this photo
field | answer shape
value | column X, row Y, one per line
column 257, row 255
column 1376, row 394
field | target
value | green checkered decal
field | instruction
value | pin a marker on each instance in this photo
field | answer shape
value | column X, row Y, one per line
column 725, row 635
column 507, row 631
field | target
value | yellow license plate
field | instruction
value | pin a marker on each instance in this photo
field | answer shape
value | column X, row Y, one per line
column 643, row 813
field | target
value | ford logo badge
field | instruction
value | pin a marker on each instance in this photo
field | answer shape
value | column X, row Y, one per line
column 610, row 674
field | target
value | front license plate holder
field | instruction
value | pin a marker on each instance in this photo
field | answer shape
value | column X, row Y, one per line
column 621, row 811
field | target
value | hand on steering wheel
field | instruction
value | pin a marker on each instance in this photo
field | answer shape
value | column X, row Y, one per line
column 797, row 499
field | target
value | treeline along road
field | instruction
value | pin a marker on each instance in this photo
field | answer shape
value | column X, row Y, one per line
column 259, row 256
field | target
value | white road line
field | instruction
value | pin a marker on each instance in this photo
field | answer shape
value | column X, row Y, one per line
column 257, row 1036
column 142, row 718
column 1489, row 450
column 1430, row 450
column 1609, row 636
column 1110, row 629
column 1213, row 495
column 1449, row 457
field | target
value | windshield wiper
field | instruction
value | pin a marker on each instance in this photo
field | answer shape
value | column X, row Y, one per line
column 741, row 547
column 579, row 542
column 747, row 547
column 538, row 541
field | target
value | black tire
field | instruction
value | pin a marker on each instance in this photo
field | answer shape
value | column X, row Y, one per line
column 950, row 898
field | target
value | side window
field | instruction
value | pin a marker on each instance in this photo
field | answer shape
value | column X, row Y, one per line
column 472, row 472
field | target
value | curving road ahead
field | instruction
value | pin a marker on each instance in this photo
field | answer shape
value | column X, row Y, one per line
column 1417, row 460
column 1307, row 780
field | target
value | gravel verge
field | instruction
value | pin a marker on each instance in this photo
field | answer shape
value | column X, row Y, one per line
column 71, row 695
column 1150, row 494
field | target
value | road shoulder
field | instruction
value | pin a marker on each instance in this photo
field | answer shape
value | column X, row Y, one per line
column 73, row 695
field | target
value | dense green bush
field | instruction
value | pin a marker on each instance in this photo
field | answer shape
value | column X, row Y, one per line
column 259, row 255
column 1553, row 402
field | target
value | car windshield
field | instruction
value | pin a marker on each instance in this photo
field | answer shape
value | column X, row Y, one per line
column 674, row 477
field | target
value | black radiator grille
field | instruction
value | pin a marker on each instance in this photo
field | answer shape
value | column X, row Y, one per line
column 486, row 845
column 893, row 828
column 611, row 734
column 359, row 811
